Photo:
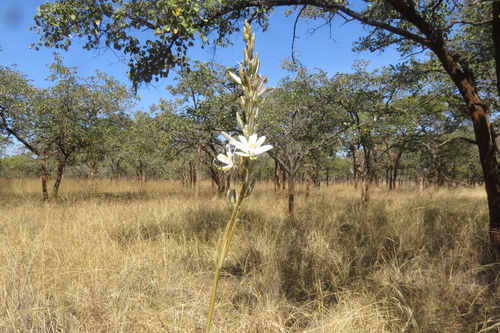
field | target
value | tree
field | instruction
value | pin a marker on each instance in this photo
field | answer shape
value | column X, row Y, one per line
column 97, row 159
column 298, row 120
column 441, row 118
column 361, row 96
column 144, row 145
column 21, row 119
column 15, row 91
column 64, row 118
column 410, row 25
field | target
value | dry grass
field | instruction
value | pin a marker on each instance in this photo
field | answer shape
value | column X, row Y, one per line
column 109, row 258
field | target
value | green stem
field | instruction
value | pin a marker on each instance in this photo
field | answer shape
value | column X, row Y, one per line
column 226, row 241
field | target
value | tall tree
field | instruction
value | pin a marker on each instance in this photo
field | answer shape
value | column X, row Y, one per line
column 410, row 25
column 23, row 119
column 59, row 120
column 143, row 145
column 361, row 96
column 298, row 120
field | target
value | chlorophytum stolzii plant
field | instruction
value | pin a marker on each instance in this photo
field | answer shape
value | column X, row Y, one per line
column 242, row 153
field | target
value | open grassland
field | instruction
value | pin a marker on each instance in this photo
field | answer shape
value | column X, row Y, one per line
column 107, row 257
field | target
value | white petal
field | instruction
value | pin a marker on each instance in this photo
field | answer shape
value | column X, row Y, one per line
column 252, row 139
column 243, row 140
column 260, row 141
column 224, row 159
column 229, row 153
column 240, row 146
column 262, row 149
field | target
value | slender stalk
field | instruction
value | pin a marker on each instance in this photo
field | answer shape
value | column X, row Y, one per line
column 226, row 242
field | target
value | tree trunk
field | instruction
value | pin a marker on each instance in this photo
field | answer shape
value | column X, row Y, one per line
column 283, row 179
column 365, row 190
column 277, row 184
column 317, row 177
column 355, row 169
column 489, row 164
column 218, row 179
column 421, row 179
column 197, row 171
column 487, row 150
column 61, row 164
column 142, row 175
column 191, row 174
column 43, row 177
column 291, row 194
column 308, row 181
column 394, row 177
column 395, row 169
column 388, row 177
column 116, row 171
column 356, row 165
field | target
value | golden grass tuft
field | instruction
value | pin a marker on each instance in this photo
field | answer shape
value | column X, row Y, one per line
column 108, row 257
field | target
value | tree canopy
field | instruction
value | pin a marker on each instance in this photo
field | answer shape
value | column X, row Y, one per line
column 71, row 115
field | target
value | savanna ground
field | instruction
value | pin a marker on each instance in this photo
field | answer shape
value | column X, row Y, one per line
column 109, row 258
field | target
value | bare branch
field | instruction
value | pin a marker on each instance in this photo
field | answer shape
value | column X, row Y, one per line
column 455, row 139
column 475, row 24
column 295, row 34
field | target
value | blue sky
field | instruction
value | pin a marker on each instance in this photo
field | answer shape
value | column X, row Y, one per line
column 327, row 49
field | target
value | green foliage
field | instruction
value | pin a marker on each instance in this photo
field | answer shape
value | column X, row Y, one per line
column 83, row 110
column 69, row 115
column 15, row 96
column 21, row 166
column 172, row 27
column 299, row 118
column 72, row 114
column 207, row 98
column 155, row 35
column 145, row 146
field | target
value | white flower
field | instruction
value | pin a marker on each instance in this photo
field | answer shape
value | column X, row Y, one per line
column 226, row 159
column 250, row 147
